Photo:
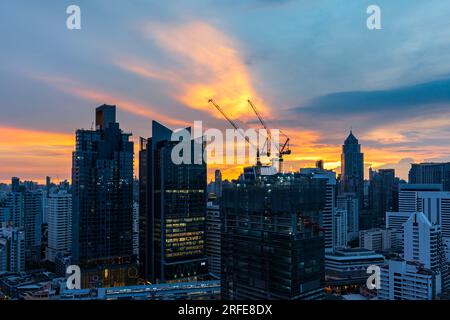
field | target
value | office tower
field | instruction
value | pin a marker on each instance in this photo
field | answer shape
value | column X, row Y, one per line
column 340, row 232
column 423, row 243
column 172, row 210
column 32, row 213
column 218, row 183
column 328, row 213
column 15, row 184
column 430, row 173
column 59, row 224
column 272, row 244
column 406, row 280
column 407, row 198
column 375, row 239
column 381, row 194
column 102, row 192
column 213, row 229
column 349, row 202
column 12, row 249
column 352, row 168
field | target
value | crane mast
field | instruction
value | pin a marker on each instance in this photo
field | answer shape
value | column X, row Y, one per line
column 283, row 150
column 236, row 127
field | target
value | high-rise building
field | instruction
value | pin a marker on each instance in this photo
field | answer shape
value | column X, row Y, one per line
column 428, row 199
column 394, row 223
column 24, row 209
column 32, row 215
column 59, row 224
column 173, row 201
column 383, row 185
column 406, row 280
column 407, row 198
column 430, row 173
column 327, row 217
column 340, row 225
column 272, row 244
column 218, row 183
column 213, row 230
column 102, row 191
column 423, row 243
column 350, row 203
column 12, row 249
column 352, row 168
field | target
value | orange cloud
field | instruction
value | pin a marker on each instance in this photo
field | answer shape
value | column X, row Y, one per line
column 34, row 154
column 71, row 87
column 210, row 67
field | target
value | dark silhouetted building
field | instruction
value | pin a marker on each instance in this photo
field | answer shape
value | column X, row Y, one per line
column 102, row 191
column 272, row 243
column 172, row 211
column 352, row 168
column 382, row 194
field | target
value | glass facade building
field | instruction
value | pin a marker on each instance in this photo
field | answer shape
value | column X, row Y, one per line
column 272, row 243
column 102, row 191
column 172, row 208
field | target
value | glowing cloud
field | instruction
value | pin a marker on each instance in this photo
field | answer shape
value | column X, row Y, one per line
column 73, row 88
column 210, row 66
column 34, row 154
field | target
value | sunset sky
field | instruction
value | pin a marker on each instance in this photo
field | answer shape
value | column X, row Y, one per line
column 312, row 67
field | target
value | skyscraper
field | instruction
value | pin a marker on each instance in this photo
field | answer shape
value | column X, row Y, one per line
column 382, row 186
column 102, row 191
column 172, row 208
column 327, row 217
column 352, row 168
column 349, row 202
column 59, row 224
column 430, row 173
column 272, row 243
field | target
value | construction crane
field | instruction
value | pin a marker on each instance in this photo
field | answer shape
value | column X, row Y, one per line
column 236, row 127
column 283, row 150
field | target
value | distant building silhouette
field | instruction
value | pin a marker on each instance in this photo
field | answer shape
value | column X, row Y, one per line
column 382, row 189
column 352, row 168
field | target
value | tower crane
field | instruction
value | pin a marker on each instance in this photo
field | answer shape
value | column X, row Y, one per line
column 282, row 150
column 235, row 126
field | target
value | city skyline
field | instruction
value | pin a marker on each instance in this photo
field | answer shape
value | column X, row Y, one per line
column 296, row 60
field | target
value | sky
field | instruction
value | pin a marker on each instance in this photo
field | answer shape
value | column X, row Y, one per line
column 313, row 69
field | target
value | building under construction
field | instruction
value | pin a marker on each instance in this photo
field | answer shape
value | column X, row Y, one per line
column 272, row 244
